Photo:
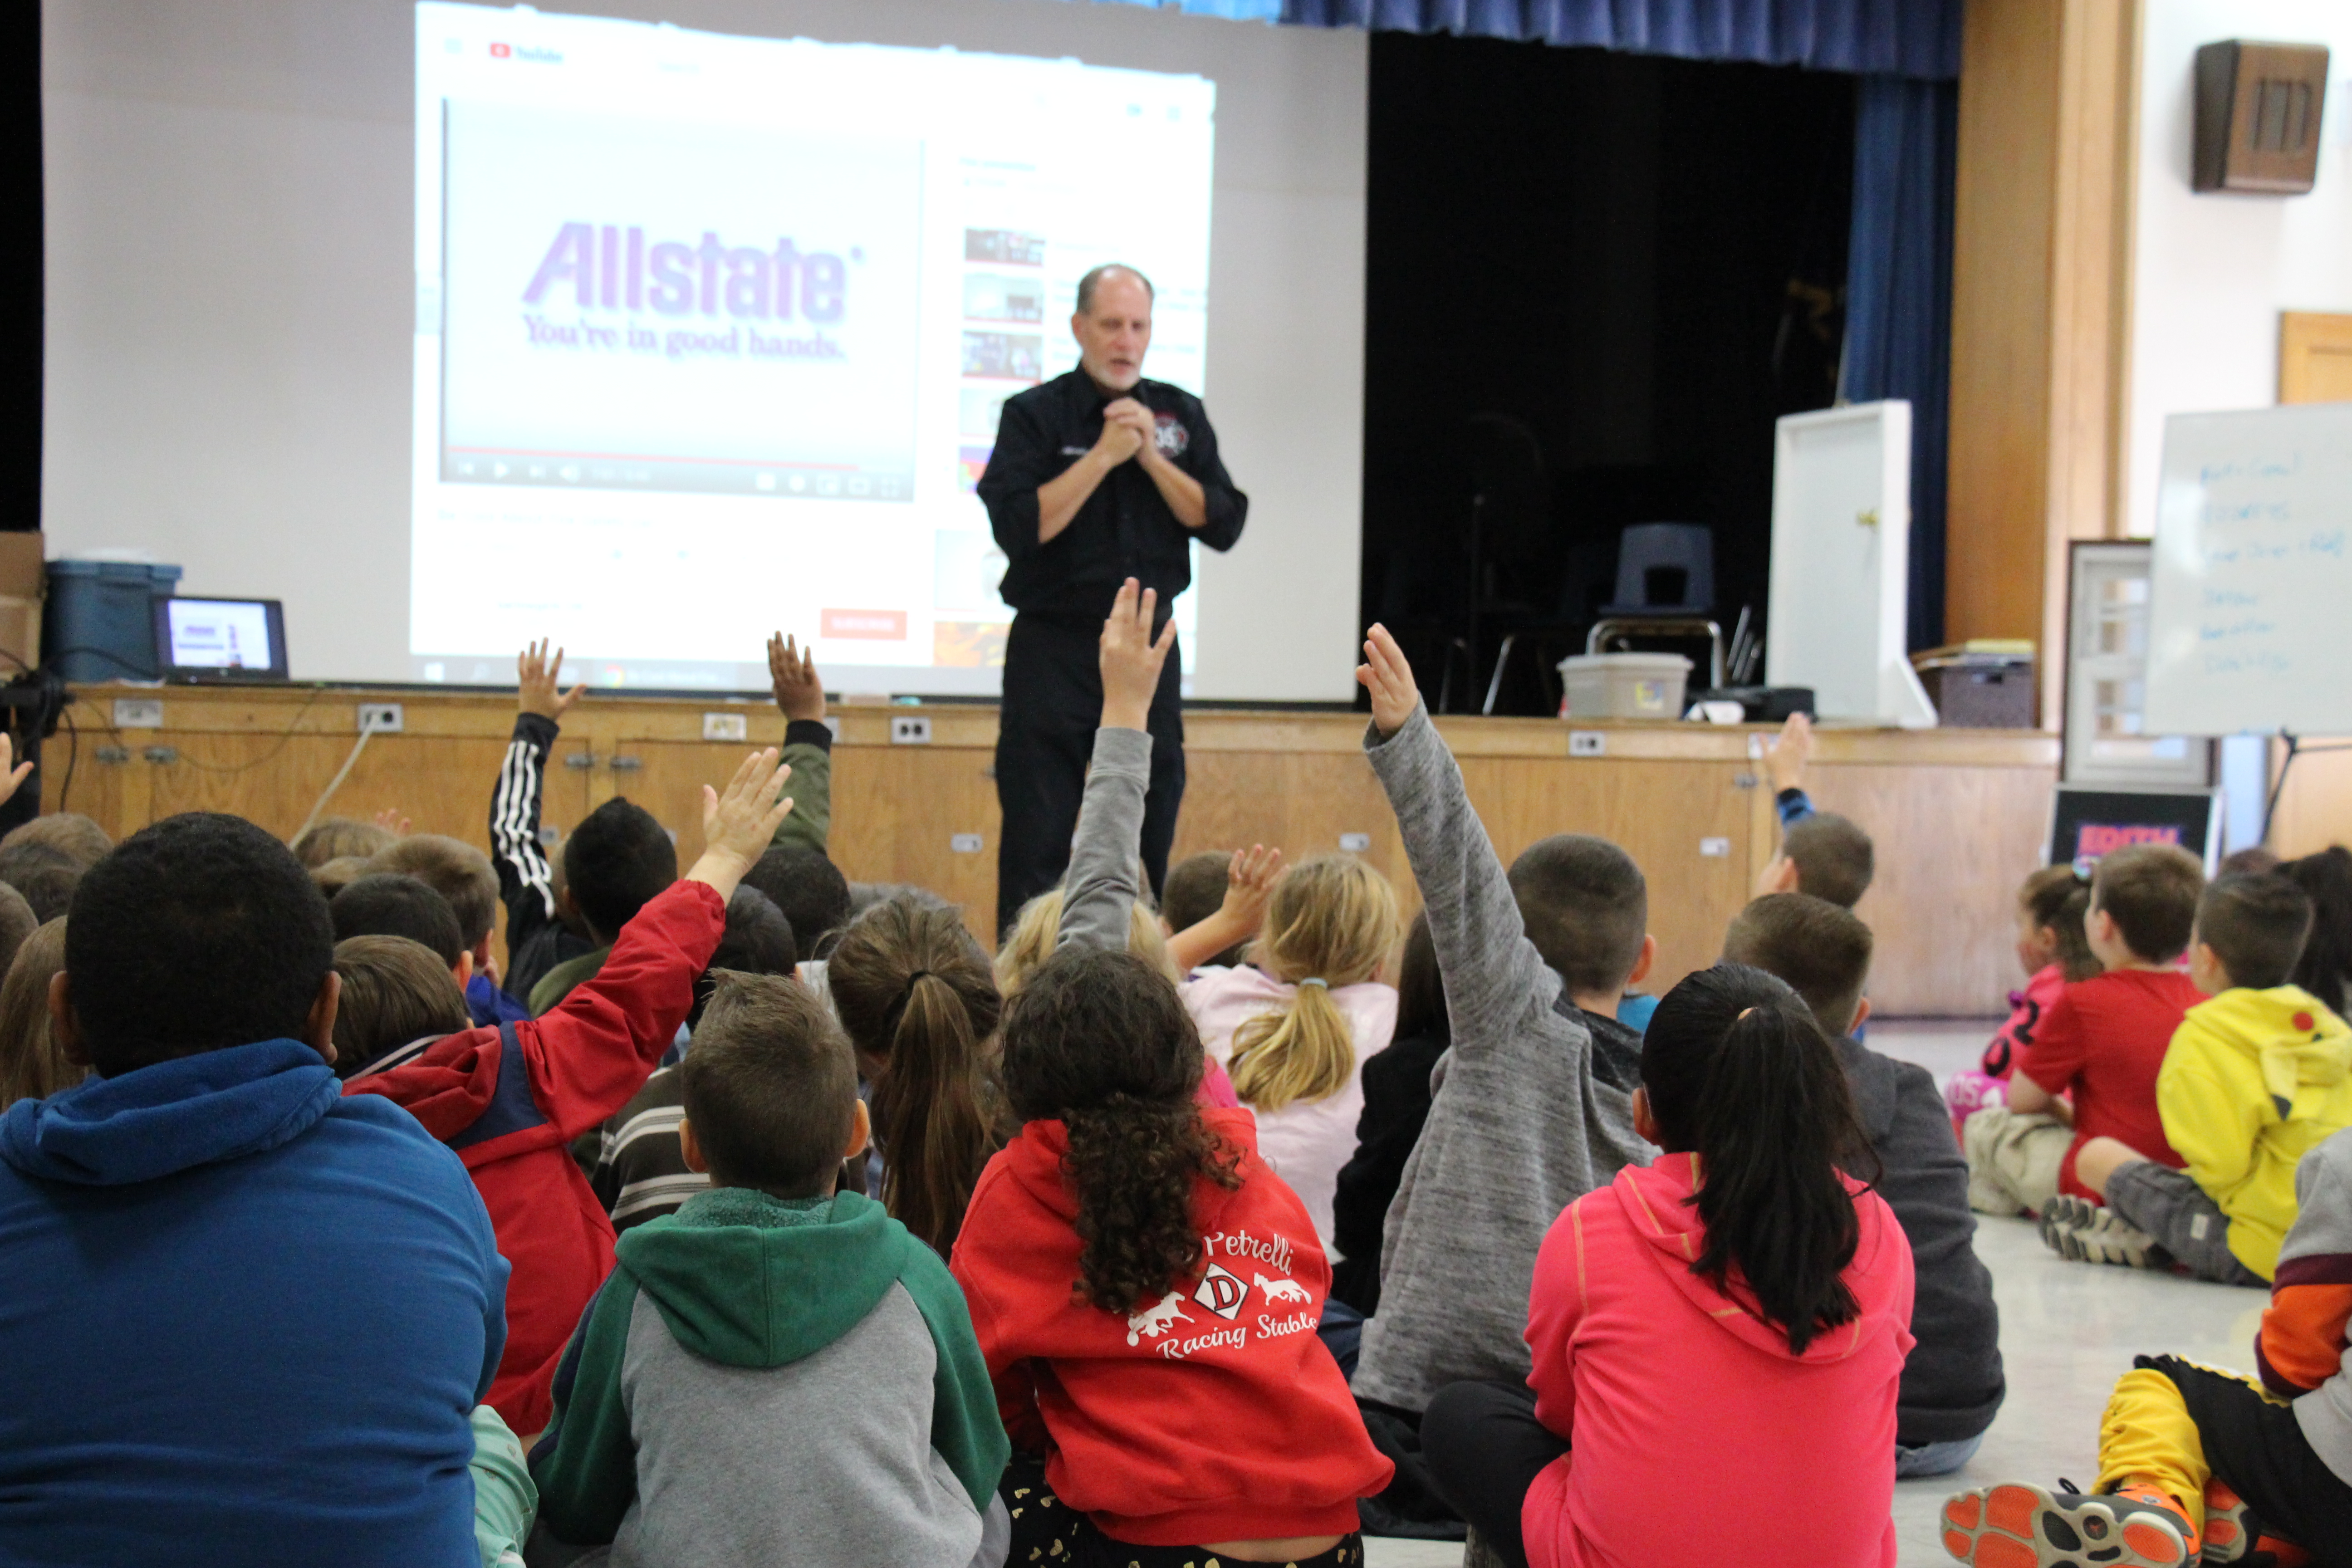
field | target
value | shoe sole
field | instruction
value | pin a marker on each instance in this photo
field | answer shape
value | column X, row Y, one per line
column 2228, row 1538
column 2019, row 1526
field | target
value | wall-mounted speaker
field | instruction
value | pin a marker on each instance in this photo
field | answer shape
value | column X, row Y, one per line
column 2258, row 109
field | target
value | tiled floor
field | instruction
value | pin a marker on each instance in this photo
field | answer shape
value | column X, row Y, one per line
column 2067, row 1331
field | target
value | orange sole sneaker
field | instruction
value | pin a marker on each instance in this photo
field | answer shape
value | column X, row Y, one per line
column 2014, row 1525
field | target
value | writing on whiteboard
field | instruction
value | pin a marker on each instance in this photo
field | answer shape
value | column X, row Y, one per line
column 2251, row 568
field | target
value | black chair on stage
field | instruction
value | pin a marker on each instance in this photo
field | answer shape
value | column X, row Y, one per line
column 1665, row 588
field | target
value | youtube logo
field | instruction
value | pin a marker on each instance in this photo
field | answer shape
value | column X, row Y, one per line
column 500, row 51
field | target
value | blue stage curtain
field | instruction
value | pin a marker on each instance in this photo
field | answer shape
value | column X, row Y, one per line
column 1899, row 324
column 1883, row 37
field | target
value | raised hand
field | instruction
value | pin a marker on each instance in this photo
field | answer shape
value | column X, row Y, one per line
column 391, row 822
column 791, row 670
column 1787, row 755
column 1131, row 660
column 738, row 822
column 17, row 771
column 1249, row 884
column 536, row 685
column 1387, row 674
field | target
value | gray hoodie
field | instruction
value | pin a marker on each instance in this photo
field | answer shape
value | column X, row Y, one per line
column 1952, row 1382
column 1532, row 1106
column 2315, row 1278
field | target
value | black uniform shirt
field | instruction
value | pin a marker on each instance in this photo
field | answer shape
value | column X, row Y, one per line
column 1125, row 529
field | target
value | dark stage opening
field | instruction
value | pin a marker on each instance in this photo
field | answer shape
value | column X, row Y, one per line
column 1594, row 280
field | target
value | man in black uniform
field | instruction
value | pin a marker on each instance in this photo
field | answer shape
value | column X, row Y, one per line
column 1097, row 475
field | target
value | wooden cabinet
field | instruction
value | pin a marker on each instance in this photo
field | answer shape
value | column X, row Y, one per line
column 1958, row 816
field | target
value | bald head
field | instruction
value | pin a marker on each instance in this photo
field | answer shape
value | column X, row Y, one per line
column 1113, row 325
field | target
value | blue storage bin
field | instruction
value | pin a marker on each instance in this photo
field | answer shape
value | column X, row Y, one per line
column 99, row 624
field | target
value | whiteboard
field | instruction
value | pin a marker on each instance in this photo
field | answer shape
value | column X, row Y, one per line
column 1841, row 563
column 2250, row 615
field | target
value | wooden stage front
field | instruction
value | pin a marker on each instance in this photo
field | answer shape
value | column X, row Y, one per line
column 1958, row 814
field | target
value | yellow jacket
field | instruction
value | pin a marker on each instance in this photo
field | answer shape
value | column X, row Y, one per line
column 2253, row 1079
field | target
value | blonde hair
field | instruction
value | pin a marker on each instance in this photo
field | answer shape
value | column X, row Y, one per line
column 1332, row 921
column 32, row 1064
column 1038, row 928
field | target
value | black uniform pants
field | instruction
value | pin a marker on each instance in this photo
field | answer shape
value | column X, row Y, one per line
column 1045, row 738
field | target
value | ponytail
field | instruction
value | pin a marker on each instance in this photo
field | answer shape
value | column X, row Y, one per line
column 1331, row 921
column 1742, row 1077
column 929, row 1120
column 917, row 999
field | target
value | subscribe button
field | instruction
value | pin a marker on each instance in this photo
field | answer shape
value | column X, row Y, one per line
column 875, row 625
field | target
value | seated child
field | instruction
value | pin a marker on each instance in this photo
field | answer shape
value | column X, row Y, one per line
column 247, row 1318
column 846, row 1419
column 1294, row 1026
column 341, row 838
column 2195, row 1461
column 69, row 833
column 1534, row 1106
column 1176, row 1403
column 32, row 1066
column 384, row 904
column 1396, row 1106
column 46, row 876
column 462, row 875
column 2326, row 967
column 811, row 892
column 2254, row 1079
column 1952, row 1382
column 1736, row 1310
column 2101, row 1042
column 2054, row 952
column 546, row 926
column 1822, row 853
column 396, row 994
column 512, row 1099
column 638, row 1170
column 914, row 993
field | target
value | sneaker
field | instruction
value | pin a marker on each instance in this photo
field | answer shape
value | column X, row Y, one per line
column 2015, row 1525
column 2058, row 1219
column 2230, row 1528
column 2084, row 1232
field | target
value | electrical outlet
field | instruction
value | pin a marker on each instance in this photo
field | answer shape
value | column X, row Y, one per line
column 910, row 729
column 833, row 723
column 381, row 718
column 1355, row 843
column 964, row 843
column 1588, row 743
column 138, row 713
column 1716, row 848
column 726, row 727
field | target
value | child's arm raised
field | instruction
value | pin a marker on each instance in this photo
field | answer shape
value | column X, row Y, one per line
column 591, row 1053
column 1249, row 883
column 526, row 884
column 1100, row 887
column 1495, row 978
column 808, row 743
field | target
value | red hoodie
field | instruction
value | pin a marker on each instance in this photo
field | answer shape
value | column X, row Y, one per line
column 510, row 1100
column 1659, row 1380
column 1214, row 1414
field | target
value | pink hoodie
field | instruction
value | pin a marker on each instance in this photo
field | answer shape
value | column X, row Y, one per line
column 1661, row 1381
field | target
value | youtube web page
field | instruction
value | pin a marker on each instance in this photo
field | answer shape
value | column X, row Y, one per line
column 713, row 333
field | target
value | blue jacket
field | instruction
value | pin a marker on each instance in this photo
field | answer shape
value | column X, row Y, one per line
column 243, row 1318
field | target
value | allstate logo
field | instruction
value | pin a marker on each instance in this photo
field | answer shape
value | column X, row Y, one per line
column 1169, row 435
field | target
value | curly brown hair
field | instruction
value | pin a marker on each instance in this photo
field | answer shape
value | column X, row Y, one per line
column 1100, row 1042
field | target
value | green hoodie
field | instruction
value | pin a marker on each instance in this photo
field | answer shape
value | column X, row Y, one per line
column 662, row 1445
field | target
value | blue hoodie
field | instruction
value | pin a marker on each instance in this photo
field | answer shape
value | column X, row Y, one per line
column 243, row 1320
